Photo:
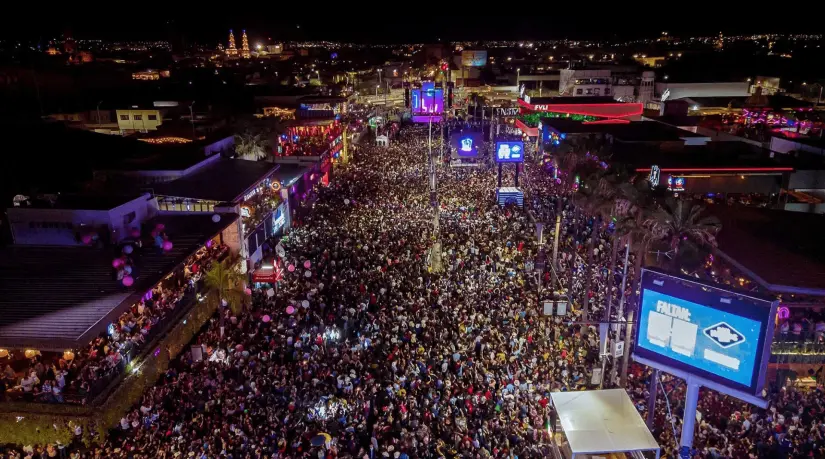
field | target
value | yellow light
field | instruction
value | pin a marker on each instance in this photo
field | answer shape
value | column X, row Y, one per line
column 31, row 353
column 68, row 355
column 4, row 353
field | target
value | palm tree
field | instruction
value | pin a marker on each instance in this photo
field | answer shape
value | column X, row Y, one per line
column 681, row 224
column 253, row 146
column 225, row 283
column 634, row 203
column 595, row 198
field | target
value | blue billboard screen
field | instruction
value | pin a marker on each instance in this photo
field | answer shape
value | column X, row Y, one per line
column 712, row 333
column 510, row 152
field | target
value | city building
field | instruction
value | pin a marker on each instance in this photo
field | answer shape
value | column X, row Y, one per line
column 619, row 82
column 63, row 219
column 258, row 191
column 138, row 119
column 57, row 282
column 587, row 109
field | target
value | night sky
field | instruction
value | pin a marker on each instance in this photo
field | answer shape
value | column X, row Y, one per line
column 388, row 26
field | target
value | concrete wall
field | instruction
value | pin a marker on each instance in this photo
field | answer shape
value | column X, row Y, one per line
column 225, row 144
column 718, row 136
column 781, row 145
column 138, row 119
column 680, row 90
column 130, row 215
column 804, row 207
column 807, row 180
column 48, row 226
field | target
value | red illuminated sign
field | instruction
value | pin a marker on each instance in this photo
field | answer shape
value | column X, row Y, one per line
column 612, row 110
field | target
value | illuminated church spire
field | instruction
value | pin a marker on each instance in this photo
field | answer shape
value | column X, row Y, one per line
column 244, row 46
column 232, row 50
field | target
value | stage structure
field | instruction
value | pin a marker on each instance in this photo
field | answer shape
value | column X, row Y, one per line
column 599, row 423
column 511, row 151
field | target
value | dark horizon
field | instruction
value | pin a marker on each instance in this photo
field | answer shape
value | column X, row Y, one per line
column 262, row 26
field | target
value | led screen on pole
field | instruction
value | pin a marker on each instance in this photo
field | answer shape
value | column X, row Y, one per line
column 466, row 144
column 510, row 152
column 427, row 101
column 705, row 330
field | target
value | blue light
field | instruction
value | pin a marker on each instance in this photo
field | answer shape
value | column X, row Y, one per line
column 564, row 136
column 716, row 341
column 510, row 152
column 467, row 144
column 556, row 142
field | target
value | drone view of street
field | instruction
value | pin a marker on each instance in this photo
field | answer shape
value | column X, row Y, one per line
column 292, row 242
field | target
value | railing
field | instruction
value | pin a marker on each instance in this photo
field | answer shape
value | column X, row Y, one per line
column 103, row 384
column 806, row 347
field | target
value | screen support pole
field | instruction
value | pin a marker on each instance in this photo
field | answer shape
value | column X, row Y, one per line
column 689, row 418
column 651, row 402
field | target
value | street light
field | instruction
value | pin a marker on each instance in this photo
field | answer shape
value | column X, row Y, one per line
column 376, row 89
column 518, row 75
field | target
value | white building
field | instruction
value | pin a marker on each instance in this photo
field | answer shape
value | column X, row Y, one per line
column 65, row 219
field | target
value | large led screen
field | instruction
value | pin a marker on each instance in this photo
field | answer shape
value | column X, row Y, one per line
column 705, row 330
column 510, row 152
column 428, row 101
column 467, row 144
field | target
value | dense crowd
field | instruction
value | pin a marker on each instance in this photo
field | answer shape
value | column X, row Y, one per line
column 374, row 347
column 74, row 377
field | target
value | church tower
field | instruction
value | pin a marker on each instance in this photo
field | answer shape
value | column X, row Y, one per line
column 244, row 46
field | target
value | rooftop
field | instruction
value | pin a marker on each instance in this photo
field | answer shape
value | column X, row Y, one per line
column 780, row 249
column 56, row 298
column 732, row 156
column 633, row 131
column 570, row 100
column 73, row 154
column 288, row 173
column 81, row 202
column 777, row 102
column 225, row 180
column 602, row 422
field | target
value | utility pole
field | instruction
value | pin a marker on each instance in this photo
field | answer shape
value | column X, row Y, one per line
column 621, row 313
column 436, row 248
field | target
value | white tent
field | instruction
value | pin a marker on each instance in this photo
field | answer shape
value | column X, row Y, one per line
column 600, row 422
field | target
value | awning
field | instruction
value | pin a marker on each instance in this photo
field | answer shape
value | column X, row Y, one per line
column 269, row 272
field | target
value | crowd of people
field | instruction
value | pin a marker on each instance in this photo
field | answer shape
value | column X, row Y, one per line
column 373, row 346
column 75, row 377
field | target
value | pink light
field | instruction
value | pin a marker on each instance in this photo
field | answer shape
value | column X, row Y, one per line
column 608, row 121
column 720, row 169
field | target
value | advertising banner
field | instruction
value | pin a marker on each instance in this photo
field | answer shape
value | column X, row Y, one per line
column 705, row 330
column 510, row 152
column 474, row 58
column 466, row 144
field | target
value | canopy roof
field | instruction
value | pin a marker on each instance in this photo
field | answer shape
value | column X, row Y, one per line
column 602, row 421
